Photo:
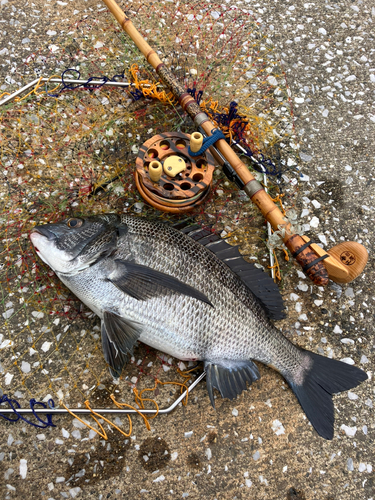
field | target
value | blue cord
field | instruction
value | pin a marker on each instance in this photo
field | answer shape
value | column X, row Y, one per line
column 217, row 134
column 85, row 85
column 33, row 402
column 196, row 94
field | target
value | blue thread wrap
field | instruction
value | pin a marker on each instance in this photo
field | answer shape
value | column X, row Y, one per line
column 196, row 95
column 13, row 402
column 85, row 85
column 217, row 134
column 238, row 129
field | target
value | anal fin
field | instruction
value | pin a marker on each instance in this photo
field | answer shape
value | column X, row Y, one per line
column 229, row 377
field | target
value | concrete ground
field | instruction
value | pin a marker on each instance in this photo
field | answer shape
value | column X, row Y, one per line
column 259, row 446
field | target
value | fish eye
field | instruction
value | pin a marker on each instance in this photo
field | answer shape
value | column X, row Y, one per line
column 73, row 223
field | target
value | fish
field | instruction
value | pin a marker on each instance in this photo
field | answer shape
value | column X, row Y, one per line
column 187, row 293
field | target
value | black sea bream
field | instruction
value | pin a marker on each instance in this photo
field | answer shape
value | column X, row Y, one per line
column 150, row 282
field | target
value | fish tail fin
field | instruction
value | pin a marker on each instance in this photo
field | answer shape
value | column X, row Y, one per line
column 314, row 383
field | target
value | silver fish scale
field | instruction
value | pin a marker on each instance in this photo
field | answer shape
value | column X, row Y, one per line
column 167, row 250
column 235, row 328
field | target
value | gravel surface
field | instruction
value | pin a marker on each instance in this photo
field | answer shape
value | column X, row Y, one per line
column 259, row 446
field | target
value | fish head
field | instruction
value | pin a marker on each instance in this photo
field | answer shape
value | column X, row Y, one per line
column 76, row 243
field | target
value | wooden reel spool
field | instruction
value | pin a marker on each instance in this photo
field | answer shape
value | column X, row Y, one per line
column 168, row 178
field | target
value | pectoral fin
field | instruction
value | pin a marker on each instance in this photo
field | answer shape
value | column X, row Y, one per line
column 118, row 339
column 142, row 282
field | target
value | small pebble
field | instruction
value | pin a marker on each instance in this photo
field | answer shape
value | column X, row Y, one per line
column 278, row 427
column 314, row 222
column 23, row 468
column 159, row 479
column 349, row 361
column 349, row 431
column 352, row 396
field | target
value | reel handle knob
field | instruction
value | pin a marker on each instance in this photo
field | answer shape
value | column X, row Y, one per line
column 155, row 170
column 196, row 141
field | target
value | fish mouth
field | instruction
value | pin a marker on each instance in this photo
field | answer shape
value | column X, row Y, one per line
column 41, row 231
column 47, row 233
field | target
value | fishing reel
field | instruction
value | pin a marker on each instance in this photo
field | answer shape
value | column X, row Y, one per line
column 168, row 177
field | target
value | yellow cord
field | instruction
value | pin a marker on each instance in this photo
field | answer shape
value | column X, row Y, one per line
column 150, row 89
column 37, row 86
column 102, row 434
column 276, row 267
column 109, row 422
column 278, row 200
column 124, row 405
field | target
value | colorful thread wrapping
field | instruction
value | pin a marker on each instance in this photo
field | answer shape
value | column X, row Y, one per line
column 234, row 125
column 11, row 402
column 150, row 89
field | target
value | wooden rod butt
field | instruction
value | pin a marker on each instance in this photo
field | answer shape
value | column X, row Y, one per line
column 352, row 256
column 344, row 262
column 307, row 260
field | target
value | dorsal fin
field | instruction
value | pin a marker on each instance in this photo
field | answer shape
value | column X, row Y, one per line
column 259, row 282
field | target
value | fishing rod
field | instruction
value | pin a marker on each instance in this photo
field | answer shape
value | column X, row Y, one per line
column 342, row 263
